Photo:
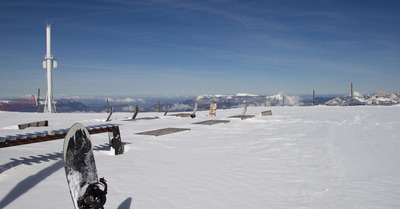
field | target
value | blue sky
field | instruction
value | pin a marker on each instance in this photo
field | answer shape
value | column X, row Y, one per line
column 166, row 47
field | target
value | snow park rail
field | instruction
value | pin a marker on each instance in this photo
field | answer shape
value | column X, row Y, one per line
column 21, row 139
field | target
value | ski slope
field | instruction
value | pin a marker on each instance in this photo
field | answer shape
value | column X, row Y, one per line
column 300, row 157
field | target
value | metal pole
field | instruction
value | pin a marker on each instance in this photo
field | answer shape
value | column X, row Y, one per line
column 38, row 101
column 49, row 64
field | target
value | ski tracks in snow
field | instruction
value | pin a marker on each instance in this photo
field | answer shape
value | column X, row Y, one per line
column 300, row 157
column 368, row 156
column 321, row 173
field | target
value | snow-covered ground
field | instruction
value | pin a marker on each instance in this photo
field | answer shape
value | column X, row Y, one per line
column 300, row 157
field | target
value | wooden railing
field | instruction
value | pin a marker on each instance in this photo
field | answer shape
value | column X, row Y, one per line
column 21, row 139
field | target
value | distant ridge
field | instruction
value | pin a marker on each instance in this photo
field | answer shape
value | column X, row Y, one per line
column 204, row 101
column 239, row 100
column 381, row 98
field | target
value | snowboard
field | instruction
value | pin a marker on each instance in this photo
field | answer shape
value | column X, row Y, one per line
column 79, row 163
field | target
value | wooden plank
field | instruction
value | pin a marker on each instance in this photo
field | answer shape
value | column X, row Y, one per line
column 33, row 124
column 266, row 113
column 166, row 110
column 244, row 109
column 182, row 115
column 212, row 122
column 114, row 138
column 193, row 115
column 136, row 112
column 163, row 131
column 145, row 118
column 109, row 116
column 235, row 116
column 148, row 118
column 247, row 116
column 243, row 117
column 30, row 138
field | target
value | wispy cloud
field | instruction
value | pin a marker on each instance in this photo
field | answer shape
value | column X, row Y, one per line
column 165, row 45
column 126, row 100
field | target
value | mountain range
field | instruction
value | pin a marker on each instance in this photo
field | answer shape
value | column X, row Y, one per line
column 381, row 98
column 187, row 104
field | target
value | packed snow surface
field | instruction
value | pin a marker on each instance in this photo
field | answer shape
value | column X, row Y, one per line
column 300, row 157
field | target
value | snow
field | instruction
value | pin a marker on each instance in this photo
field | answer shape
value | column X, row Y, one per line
column 362, row 98
column 384, row 98
column 246, row 95
column 381, row 98
column 289, row 100
column 336, row 101
column 204, row 96
column 300, row 157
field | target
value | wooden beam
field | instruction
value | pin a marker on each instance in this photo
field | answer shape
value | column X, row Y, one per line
column 212, row 122
column 164, row 131
column 45, row 136
column 33, row 124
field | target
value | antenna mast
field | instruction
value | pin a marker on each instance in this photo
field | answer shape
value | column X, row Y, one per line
column 49, row 64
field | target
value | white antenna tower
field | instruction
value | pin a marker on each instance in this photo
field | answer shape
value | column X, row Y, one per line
column 49, row 64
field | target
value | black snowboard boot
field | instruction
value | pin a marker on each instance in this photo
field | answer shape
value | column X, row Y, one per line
column 95, row 196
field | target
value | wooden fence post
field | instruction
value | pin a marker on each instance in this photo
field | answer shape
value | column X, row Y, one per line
column 313, row 98
column 352, row 96
column 107, row 107
column 166, row 110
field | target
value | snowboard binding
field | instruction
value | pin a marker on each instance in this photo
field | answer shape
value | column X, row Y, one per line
column 95, row 196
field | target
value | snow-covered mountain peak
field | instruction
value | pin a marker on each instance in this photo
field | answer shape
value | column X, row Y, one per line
column 206, row 96
column 381, row 98
column 336, row 102
column 279, row 96
column 358, row 94
column 246, row 95
column 384, row 95
column 360, row 97
column 384, row 98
